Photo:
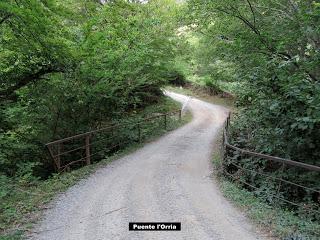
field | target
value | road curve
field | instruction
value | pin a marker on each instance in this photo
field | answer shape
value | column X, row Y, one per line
column 167, row 180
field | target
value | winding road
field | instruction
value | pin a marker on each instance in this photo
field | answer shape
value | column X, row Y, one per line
column 168, row 180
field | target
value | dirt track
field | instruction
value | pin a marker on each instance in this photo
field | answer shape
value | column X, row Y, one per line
column 166, row 180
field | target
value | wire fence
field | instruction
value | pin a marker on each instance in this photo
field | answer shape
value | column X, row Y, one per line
column 236, row 174
column 82, row 149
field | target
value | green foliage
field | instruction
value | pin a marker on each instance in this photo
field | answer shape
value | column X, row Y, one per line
column 272, row 49
column 176, row 78
column 278, row 220
column 23, row 197
column 70, row 66
column 284, row 223
column 198, row 62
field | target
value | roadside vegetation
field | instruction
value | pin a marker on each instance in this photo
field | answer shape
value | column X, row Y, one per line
column 69, row 67
column 273, row 220
column 271, row 48
column 22, row 200
column 266, row 54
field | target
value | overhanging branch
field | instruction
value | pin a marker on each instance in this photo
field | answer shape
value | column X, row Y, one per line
column 283, row 55
column 9, row 93
column 5, row 18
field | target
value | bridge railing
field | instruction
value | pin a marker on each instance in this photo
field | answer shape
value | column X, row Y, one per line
column 82, row 148
column 229, row 149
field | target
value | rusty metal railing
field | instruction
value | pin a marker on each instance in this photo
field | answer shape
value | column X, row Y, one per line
column 79, row 149
column 284, row 162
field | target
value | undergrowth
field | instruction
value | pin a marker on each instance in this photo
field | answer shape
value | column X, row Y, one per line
column 21, row 202
column 279, row 222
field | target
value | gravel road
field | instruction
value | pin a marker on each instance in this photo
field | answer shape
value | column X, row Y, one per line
column 168, row 180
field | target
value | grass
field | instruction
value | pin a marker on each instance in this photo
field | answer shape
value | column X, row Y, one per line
column 22, row 203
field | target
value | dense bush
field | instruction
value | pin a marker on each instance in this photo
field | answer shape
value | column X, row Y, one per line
column 272, row 49
column 70, row 66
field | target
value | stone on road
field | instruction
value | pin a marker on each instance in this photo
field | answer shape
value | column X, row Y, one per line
column 167, row 180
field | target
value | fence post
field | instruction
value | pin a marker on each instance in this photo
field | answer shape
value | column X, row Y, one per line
column 165, row 121
column 56, row 158
column 88, row 160
column 228, row 121
column 180, row 115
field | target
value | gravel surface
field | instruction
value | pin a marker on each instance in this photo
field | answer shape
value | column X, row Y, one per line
column 168, row 180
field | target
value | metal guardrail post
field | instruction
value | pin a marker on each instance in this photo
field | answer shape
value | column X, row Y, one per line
column 88, row 160
column 58, row 158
